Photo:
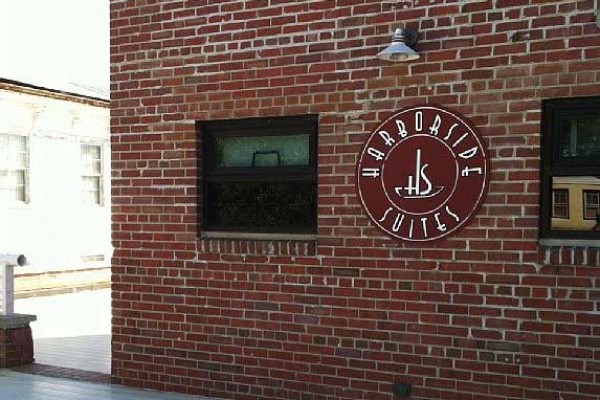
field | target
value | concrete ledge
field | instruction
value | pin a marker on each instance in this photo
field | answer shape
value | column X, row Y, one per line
column 15, row 321
column 569, row 243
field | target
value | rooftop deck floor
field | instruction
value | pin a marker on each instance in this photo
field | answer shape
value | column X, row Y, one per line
column 72, row 330
column 20, row 386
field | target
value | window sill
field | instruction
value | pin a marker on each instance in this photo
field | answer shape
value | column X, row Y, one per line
column 259, row 236
column 569, row 242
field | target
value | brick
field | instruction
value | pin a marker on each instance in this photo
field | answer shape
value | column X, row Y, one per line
column 486, row 314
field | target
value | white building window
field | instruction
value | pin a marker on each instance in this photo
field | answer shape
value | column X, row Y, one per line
column 560, row 203
column 591, row 204
column 14, row 165
column 91, row 178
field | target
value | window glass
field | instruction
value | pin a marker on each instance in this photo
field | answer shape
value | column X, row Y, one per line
column 575, row 203
column 591, row 204
column 262, row 151
column 91, row 177
column 580, row 137
column 571, row 169
column 260, row 175
column 14, row 164
column 560, row 203
column 267, row 204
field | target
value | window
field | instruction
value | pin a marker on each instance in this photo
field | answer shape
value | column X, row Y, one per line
column 560, row 203
column 14, row 165
column 260, row 175
column 91, row 177
column 591, row 204
column 570, row 168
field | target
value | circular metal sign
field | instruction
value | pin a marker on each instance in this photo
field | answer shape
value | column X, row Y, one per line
column 422, row 174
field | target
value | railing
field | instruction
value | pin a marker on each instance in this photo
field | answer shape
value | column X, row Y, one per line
column 7, row 281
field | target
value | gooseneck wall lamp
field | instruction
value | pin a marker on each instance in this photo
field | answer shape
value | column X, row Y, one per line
column 400, row 50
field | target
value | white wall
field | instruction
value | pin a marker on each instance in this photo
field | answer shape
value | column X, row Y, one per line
column 56, row 227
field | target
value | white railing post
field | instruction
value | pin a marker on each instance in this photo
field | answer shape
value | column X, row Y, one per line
column 7, row 281
column 16, row 340
column 7, row 291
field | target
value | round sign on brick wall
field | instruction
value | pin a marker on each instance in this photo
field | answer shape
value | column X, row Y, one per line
column 422, row 174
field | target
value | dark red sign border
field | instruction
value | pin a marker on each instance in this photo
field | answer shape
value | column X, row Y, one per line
column 477, row 205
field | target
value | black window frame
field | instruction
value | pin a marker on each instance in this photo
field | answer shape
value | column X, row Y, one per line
column 554, row 165
column 258, row 127
column 566, row 204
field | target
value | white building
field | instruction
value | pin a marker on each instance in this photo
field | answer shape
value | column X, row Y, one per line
column 54, row 176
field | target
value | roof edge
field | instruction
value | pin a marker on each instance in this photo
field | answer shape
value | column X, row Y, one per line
column 55, row 93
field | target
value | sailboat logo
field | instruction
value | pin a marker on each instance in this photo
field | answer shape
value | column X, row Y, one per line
column 418, row 186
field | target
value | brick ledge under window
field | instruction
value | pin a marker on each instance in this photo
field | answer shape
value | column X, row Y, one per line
column 569, row 252
column 276, row 244
column 258, row 236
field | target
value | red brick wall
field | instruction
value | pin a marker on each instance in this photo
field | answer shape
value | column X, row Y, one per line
column 487, row 314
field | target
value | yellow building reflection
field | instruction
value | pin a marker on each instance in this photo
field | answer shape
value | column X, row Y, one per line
column 575, row 203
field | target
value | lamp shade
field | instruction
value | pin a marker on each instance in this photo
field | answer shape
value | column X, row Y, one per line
column 400, row 50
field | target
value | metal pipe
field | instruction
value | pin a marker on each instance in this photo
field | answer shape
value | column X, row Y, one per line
column 13, row 260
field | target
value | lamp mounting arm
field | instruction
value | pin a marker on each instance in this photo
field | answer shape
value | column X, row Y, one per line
column 407, row 35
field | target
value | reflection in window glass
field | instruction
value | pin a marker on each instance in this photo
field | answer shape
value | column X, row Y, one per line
column 591, row 204
column 571, row 164
column 267, row 204
column 580, row 137
column 560, row 203
column 575, row 203
column 262, row 151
